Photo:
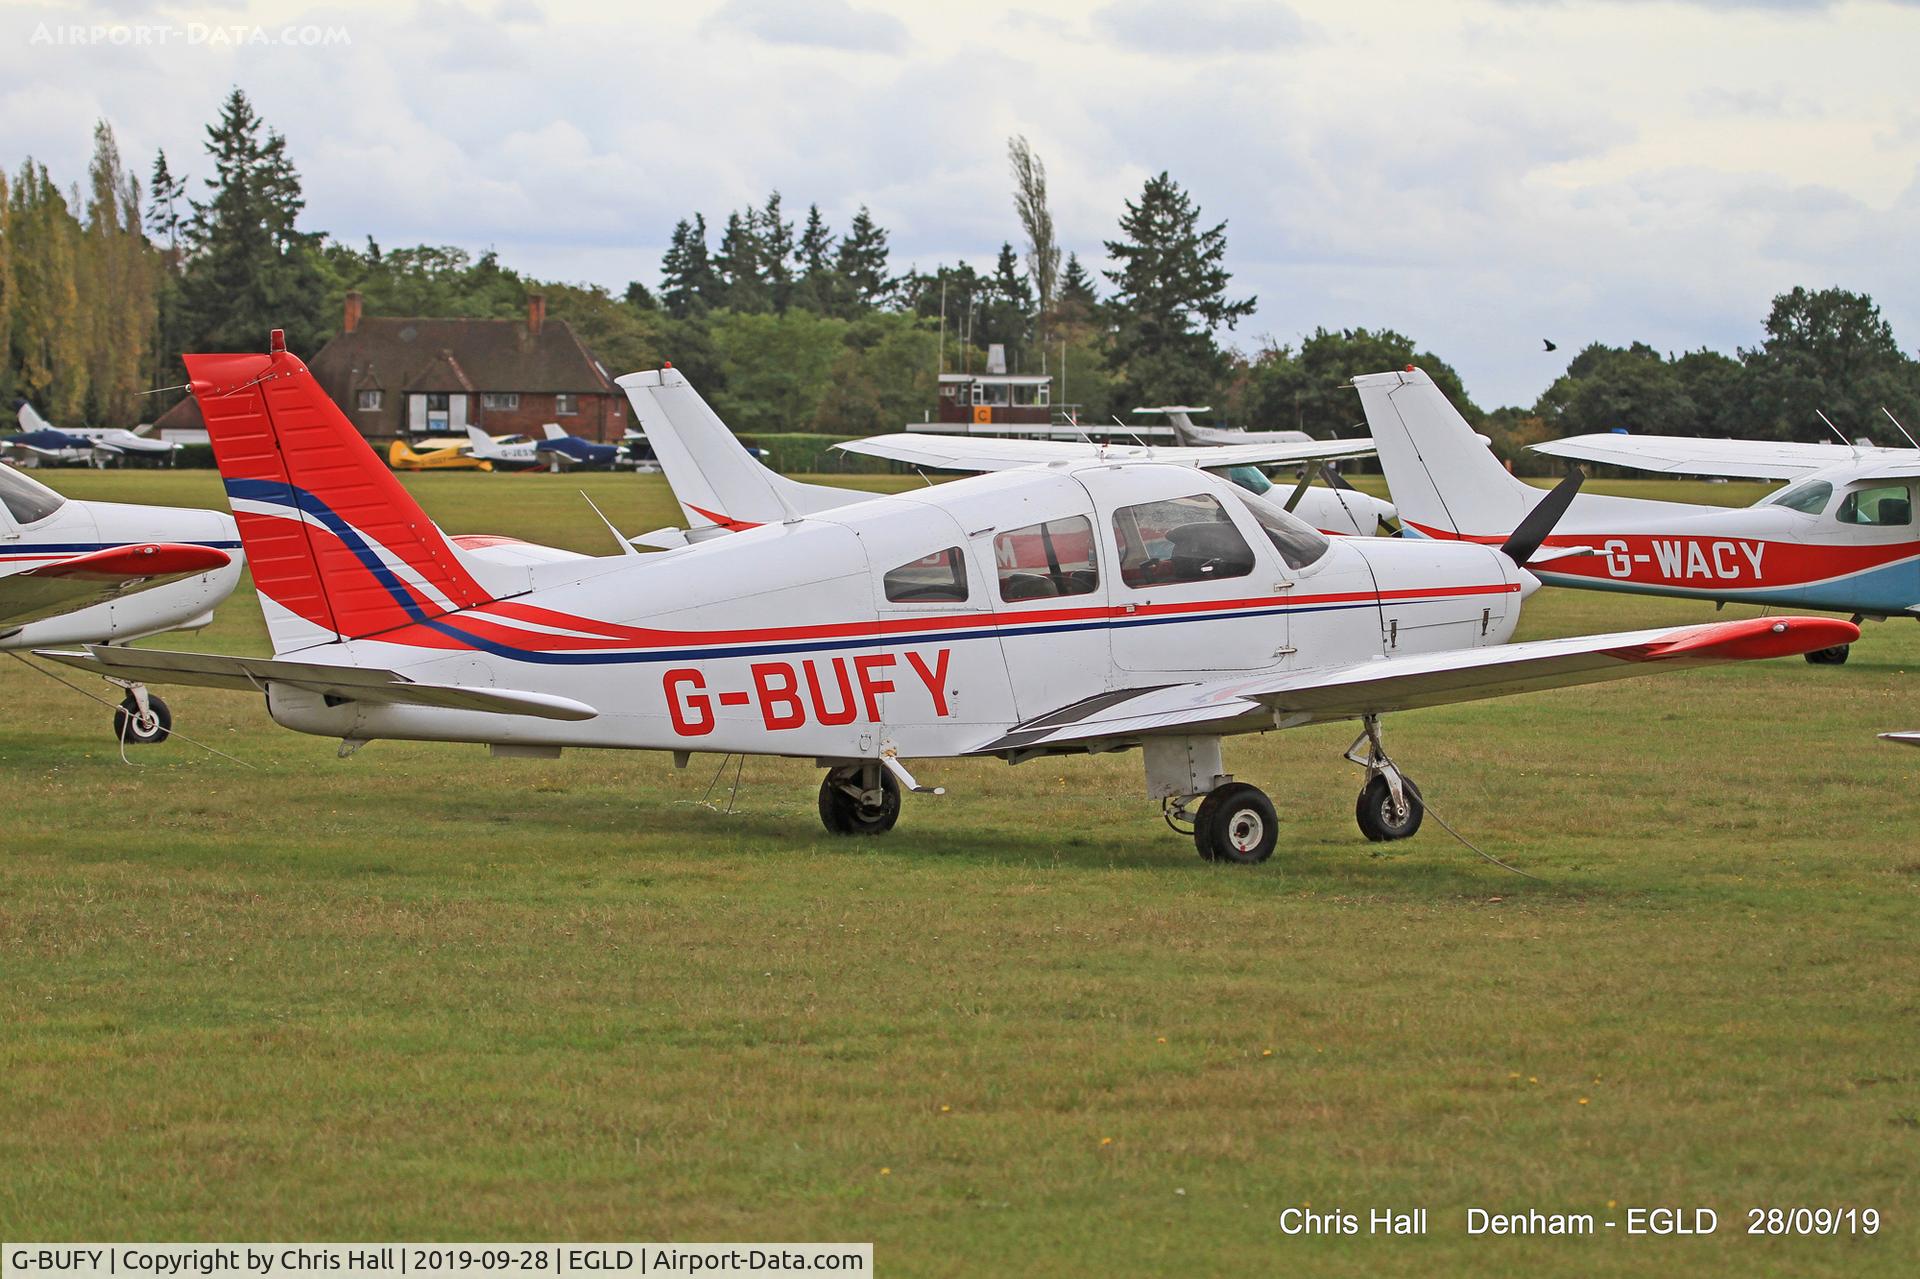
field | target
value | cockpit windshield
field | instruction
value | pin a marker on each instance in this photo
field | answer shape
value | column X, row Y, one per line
column 1809, row 497
column 27, row 501
column 1298, row 542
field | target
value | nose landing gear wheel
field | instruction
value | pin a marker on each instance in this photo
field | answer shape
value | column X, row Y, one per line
column 1375, row 812
column 1236, row 823
column 1835, row 656
column 847, row 809
column 136, row 729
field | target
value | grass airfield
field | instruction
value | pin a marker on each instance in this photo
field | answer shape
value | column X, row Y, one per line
column 422, row 994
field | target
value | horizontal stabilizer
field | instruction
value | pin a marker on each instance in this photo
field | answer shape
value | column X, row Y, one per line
column 1905, row 739
column 348, row 683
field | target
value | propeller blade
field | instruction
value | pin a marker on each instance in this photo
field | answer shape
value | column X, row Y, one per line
column 1525, row 540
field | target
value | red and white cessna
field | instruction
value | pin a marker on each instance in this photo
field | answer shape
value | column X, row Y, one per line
column 99, row 572
column 1840, row 536
column 1091, row 606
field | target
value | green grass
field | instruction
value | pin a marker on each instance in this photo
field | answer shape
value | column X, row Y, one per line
column 419, row 993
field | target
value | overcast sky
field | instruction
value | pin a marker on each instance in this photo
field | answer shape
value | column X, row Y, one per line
column 1478, row 175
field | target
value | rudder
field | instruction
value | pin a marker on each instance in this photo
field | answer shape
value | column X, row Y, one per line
column 339, row 549
column 1445, row 481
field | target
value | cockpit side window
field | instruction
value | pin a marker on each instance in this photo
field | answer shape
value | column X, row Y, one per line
column 1183, row 539
column 1810, row 498
column 1298, row 542
column 1883, row 506
column 27, row 501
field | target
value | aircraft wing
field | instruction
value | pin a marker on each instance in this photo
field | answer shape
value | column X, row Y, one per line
column 1909, row 739
column 348, row 683
column 1388, row 684
column 1690, row 455
column 979, row 453
column 66, row 586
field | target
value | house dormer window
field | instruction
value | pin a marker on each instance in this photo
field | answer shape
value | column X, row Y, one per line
column 367, row 402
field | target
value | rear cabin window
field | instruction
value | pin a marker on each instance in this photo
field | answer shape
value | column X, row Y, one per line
column 1042, row 561
column 939, row 578
column 1888, row 506
column 1183, row 539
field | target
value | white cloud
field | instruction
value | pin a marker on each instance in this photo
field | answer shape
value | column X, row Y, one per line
column 1200, row 26
column 825, row 24
column 1478, row 176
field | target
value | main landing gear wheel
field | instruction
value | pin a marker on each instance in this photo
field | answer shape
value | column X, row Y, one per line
column 142, row 728
column 1380, row 818
column 849, row 808
column 1236, row 823
column 1835, row 656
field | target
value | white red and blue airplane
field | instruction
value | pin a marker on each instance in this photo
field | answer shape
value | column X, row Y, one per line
column 39, row 440
column 556, row 450
column 107, row 573
column 1840, row 536
column 1087, row 607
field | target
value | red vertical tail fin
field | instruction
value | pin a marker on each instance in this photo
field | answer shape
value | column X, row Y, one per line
column 339, row 549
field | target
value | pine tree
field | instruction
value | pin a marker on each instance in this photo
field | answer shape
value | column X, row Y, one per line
column 1170, row 295
column 777, row 249
column 817, row 287
column 741, row 264
column 164, row 220
column 1077, row 298
column 686, row 272
column 249, row 268
column 1010, row 312
column 861, row 262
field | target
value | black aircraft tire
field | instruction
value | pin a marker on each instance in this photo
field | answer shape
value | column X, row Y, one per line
column 1374, row 811
column 128, row 728
column 842, row 814
column 1835, row 656
column 1236, row 823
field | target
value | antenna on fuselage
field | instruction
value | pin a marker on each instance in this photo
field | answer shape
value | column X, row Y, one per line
column 1130, row 431
column 1837, row 431
column 1896, row 424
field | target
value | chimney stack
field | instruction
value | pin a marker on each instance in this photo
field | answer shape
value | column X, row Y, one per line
column 352, row 318
column 536, row 313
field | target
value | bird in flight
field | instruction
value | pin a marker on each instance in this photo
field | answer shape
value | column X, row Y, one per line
column 1550, row 344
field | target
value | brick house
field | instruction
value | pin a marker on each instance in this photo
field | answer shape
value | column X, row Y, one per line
column 404, row 378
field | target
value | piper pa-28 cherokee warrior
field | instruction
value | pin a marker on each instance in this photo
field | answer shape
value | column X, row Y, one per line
column 1094, row 606
column 1840, row 536
column 92, row 572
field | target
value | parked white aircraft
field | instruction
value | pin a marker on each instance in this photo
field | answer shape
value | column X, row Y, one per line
column 39, row 439
column 104, row 572
column 1840, row 537
column 555, row 449
column 1092, row 606
column 1338, row 509
column 1192, row 435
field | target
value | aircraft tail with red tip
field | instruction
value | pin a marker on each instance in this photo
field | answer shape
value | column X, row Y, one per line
column 338, row 548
